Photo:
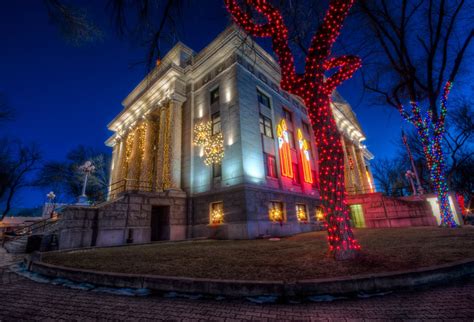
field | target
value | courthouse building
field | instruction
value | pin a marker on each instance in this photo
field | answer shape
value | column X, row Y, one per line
column 215, row 148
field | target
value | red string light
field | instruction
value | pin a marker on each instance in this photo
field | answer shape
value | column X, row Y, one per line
column 315, row 90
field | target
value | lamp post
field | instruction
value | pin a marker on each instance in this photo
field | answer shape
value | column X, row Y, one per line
column 415, row 173
column 51, row 197
column 410, row 175
column 87, row 168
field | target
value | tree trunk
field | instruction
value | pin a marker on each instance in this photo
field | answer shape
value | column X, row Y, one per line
column 434, row 153
column 331, row 172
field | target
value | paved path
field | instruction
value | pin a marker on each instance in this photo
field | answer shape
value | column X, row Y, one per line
column 24, row 299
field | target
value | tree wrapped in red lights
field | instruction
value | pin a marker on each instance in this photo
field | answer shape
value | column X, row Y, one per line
column 315, row 89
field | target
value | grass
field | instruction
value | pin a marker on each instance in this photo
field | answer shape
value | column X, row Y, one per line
column 299, row 257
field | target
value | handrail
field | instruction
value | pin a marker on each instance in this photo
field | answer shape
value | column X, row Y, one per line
column 30, row 229
column 129, row 184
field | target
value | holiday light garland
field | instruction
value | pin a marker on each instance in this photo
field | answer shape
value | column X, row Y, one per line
column 286, row 163
column 305, row 157
column 276, row 215
column 213, row 145
column 431, row 132
column 217, row 214
column 301, row 213
column 315, row 89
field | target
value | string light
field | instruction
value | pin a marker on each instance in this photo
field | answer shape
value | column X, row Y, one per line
column 217, row 214
column 213, row 145
column 431, row 132
column 276, row 215
column 301, row 214
column 315, row 89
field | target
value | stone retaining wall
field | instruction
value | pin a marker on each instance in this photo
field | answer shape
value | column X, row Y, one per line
column 369, row 283
column 381, row 211
column 126, row 219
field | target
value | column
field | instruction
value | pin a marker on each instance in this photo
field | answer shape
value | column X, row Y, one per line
column 357, row 175
column 146, row 173
column 362, row 170
column 160, row 147
column 133, row 171
column 113, row 170
column 175, row 135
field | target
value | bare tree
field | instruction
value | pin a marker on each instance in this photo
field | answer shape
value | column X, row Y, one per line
column 17, row 162
column 65, row 178
column 420, row 48
column 6, row 112
column 315, row 88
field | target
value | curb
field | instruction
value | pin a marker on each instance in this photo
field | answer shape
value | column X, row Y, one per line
column 365, row 284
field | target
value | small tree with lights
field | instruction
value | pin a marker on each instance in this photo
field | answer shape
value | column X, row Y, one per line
column 316, row 90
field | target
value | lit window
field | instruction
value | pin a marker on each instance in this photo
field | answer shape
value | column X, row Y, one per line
column 315, row 176
column 291, row 139
column 216, row 213
column 275, row 211
column 301, row 213
column 319, row 214
column 284, row 150
column 266, row 126
column 216, row 123
column 271, row 166
column 215, row 95
column 263, row 99
column 296, row 177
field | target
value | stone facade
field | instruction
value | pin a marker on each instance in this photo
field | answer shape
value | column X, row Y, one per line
column 124, row 220
column 267, row 181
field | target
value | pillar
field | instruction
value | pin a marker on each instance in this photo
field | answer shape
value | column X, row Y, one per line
column 146, row 173
column 175, row 135
column 134, row 161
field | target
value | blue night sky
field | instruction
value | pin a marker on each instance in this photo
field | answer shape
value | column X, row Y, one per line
column 64, row 96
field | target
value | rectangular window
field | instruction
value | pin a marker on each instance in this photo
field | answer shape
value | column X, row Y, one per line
column 216, row 123
column 263, row 99
column 288, row 115
column 266, row 126
column 301, row 213
column 271, row 166
column 215, row 95
column 216, row 170
column 315, row 178
column 305, row 127
column 291, row 138
column 216, row 215
column 276, row 212
column 296, row 174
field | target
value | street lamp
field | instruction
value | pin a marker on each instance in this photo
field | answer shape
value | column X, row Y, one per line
column 87, row 168
column 414, row 172
column 410, row 176
column 51, row 197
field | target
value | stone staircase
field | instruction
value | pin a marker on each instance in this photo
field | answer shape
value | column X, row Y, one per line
column 17, row 244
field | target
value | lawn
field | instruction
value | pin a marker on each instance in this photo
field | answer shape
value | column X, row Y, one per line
column 299, row 257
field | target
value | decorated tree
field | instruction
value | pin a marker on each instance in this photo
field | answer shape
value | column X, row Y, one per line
column 315, row 89
column 420, row 46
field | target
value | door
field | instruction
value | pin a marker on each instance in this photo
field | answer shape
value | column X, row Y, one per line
column 160, row 223
column 357, row 216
